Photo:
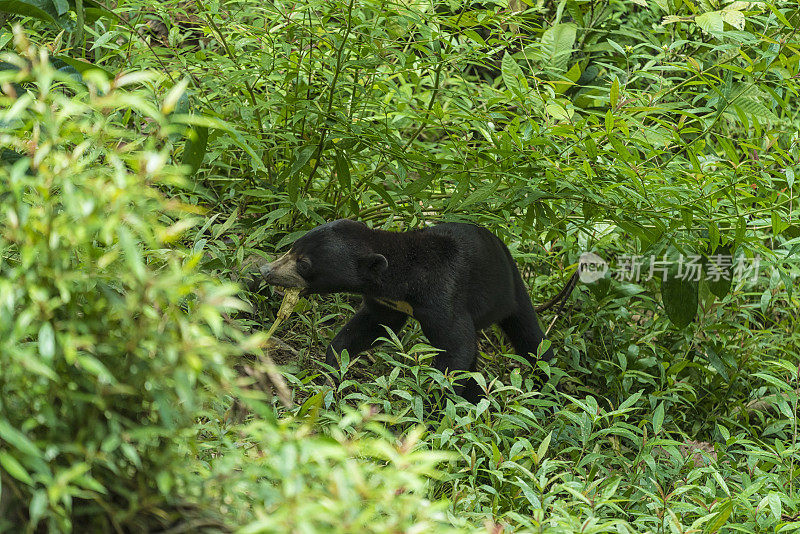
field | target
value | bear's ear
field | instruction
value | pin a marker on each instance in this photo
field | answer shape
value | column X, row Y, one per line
column 373, row 264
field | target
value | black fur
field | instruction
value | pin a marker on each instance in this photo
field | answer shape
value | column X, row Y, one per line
column 458, row 278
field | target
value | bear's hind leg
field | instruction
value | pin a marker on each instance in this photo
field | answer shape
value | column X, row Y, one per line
column 523, row 329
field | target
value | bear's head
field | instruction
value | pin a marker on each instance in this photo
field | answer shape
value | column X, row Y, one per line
column 336, row 257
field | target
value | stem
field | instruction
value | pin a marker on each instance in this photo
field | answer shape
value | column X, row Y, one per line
column 380, row 167
column 794, row 437
column 231, row 55
column 336, row 72
column 79, row 11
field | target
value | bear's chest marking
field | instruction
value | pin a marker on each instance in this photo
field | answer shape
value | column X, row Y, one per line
column 397, row 305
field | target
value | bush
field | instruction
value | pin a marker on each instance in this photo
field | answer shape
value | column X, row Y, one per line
column 115, row 383
column 628, row 130
column 110, row 341
column 355, row 477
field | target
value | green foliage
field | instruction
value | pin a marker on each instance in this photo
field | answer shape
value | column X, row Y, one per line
column 359, row 477
column 46, row 10
column 111, row 342
column 653, row 128
column 673, row 136
column 542, row 461
column 116, row 354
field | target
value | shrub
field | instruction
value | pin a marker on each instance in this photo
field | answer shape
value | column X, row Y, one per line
column 115, row 382
column 110, row 340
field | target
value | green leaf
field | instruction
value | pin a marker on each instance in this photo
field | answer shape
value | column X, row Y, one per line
column 177, row 93
column 513, row 77
column 38, row 9
column 630, row 401
column 787, row 282
column 96, row 367
column 236, row 136
column 741, row 230
column 620, row 149
column 10, row 156
column 558, row 111
column 718, row 271
column 482, row 406
column 680, row 297
column 481, row 194
column 541, row 451
column 133, row 255
column 779, row 15
column 766, row 298
column 195, row 149
column 755, row 109
column 614, row 93
column 424, row 180
column 710, row 22
column 378, row 188
column 14, row 468
column 47, row 341
column 658, row 418
column 777, row 382
column 720, row 517
column 717, row 363
column 301, row 158
column 734, row 17
column 342, row 172
column 37, row 506
column 96, row 10
column 775, row 506
column 573, row 75
column 83, row 66
column 224, row 227
column 496, row 455
column 557, row 44
column 17, row 439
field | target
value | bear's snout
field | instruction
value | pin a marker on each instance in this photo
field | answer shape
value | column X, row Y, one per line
column 283, row 272
column 266, row 270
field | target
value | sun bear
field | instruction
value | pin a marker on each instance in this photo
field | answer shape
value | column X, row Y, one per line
column 454, row 278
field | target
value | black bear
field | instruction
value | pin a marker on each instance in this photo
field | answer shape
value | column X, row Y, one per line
column 454, row 278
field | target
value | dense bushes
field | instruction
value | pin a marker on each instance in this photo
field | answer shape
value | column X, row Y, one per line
column 637, row 129
column 110, row 342
column 116, row 355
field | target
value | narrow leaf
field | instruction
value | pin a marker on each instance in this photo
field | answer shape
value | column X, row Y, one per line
column 658, row 418
column 14, row 468
column 680, row 297
column 37, row 9
column 195, row 149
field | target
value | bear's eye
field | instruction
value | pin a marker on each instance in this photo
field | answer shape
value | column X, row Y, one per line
column 303, row 267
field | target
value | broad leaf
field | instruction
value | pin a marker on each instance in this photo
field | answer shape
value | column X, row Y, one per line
column 557, row 43
column 45, row 10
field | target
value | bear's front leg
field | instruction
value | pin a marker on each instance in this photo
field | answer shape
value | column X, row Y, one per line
column 363, row 329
